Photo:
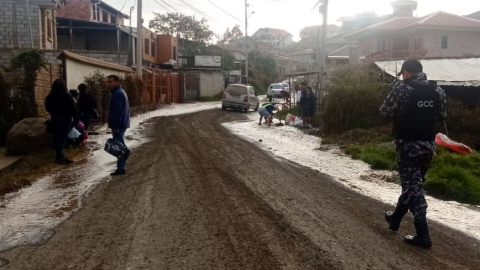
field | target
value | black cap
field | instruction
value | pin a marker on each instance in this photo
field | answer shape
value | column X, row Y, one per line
column 413, row 66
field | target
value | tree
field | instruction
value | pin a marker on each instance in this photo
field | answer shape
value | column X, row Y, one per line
column 234, row 34
column 29, row 62
column 182, row 26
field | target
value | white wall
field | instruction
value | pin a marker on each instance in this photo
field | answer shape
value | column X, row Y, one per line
column 460, row 43
column 211, row 83
column 77, row 71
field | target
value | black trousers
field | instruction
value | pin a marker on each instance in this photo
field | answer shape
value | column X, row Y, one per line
column 60, row 128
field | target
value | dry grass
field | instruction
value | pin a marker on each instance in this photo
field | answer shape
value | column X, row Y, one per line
column 33, row 167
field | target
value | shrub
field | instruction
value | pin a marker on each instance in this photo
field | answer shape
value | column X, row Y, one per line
column 30, row 62
column 463, row 123
column 133, row 86
column 97, row 85
column 354, row 98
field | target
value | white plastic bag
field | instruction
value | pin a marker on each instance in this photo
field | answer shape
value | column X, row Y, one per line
column 74, row 134
column 289, row 118
column 298, row 123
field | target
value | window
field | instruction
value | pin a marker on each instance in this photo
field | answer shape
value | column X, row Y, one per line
column 94, row 13
column 174, row 53
column 417, row 44
column 147, row 47
column 154, row 49
column 444, row 42
column 49, row 25
column 113, row 19
column 104, row 16
column 382, row 45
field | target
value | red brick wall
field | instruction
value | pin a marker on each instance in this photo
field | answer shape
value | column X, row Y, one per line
column 165, row 45
column 76, row 9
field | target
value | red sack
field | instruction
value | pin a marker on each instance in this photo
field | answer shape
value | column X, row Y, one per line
column 442, row 140
column 85, row 138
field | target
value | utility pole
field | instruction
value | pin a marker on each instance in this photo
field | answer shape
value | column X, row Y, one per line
column 246, row 55
column 130, row 40
column 323, row 48
column 139, row 44
column 246, row 38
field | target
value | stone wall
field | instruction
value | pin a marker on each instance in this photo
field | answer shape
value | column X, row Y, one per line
column 211, row 82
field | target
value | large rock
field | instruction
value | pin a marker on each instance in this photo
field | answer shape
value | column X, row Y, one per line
column 28, row 135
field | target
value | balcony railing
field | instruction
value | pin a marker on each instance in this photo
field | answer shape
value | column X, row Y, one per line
column 394, row 55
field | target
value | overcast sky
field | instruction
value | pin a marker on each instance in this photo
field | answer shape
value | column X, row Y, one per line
column 291, row 15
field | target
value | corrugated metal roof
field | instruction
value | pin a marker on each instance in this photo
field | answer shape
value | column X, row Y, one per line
column 456, row 72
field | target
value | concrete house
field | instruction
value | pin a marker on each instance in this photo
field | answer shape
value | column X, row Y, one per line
column 274, row 37
column 311, row 36
column 95, row 26
column 438, row 35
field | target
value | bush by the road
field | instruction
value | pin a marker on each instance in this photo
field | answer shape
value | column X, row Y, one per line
column 354, row 98
column 463, row 123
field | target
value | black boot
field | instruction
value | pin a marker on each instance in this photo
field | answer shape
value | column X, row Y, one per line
column 394, row 218
column 423, row 236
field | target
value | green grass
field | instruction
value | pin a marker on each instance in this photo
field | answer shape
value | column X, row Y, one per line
column 452, row 176
column 379, row 157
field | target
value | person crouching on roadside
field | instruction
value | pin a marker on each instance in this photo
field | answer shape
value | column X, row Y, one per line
column 266, row 111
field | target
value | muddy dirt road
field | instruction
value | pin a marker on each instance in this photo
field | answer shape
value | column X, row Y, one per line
column 198, row 197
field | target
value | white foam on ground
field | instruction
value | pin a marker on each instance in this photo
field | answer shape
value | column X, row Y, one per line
column 292, row 144
column 27, row 217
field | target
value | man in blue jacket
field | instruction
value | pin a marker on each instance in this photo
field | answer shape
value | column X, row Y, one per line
column 118, row 117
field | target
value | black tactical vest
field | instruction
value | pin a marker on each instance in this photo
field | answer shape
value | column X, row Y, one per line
column 421, row 114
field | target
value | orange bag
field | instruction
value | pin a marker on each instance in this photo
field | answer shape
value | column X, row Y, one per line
column 442, row 140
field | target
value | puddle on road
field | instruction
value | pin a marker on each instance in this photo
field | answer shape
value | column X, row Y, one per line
column 29, row 216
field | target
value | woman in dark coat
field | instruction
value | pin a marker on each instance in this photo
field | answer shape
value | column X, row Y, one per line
column 86, row 105
column 61, row 106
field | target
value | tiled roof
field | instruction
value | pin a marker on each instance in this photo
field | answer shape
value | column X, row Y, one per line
column 396, row 23
column 446, row 20
column 438, row 20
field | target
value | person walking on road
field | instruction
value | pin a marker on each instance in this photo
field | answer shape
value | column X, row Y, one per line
column 118, row 117
column 62, row 109
column 86, row 105
column 416, row 106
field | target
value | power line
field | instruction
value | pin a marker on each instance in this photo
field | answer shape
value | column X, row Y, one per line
column 160, row 5
column 124, row 3
column 197, row 10
column 225, row 11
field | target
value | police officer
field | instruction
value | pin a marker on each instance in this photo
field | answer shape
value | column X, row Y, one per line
column 416, row 106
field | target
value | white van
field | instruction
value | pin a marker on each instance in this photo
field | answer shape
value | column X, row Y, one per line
column 235, row 97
